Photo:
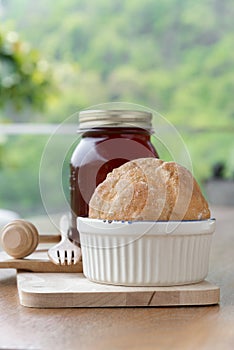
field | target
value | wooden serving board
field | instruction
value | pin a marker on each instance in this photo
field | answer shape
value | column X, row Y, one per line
column 36, row 262
column 60, row 290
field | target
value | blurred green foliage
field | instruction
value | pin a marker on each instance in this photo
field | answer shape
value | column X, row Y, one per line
column 19, row 174
column 174, row 56
column 24, row 75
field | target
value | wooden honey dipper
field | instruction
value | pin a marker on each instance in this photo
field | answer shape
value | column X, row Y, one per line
column 20, row 238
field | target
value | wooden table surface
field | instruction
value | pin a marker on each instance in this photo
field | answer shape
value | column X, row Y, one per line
column 206, row 327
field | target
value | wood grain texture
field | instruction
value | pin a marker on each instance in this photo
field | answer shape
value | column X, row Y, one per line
column 158, row 328
column 42, row 290
column 36, row 262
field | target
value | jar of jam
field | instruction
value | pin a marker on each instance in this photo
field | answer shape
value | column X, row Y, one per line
column 109, row 138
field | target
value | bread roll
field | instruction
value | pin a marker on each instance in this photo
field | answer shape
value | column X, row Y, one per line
column 149, row 189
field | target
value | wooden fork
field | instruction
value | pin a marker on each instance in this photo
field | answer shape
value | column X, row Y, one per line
column 65, row 252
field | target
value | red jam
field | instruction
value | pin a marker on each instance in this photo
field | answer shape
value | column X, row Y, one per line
column 99, row 151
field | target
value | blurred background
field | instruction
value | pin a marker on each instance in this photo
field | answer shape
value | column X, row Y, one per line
column 58, row 57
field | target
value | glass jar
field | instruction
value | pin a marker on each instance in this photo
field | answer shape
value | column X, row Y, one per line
column 109, row 138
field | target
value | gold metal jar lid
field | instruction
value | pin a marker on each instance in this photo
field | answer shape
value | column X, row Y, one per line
column 115, row 118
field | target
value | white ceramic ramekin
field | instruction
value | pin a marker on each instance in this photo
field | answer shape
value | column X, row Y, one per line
column 145, row 253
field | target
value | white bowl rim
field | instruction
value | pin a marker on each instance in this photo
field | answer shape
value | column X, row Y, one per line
column 108, row 227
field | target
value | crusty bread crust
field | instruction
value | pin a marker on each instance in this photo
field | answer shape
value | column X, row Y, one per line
column 149, row 189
